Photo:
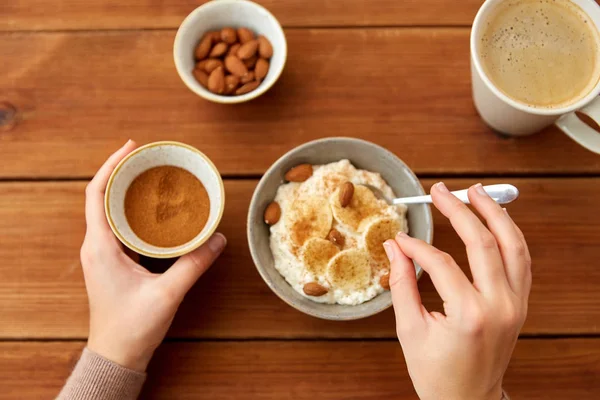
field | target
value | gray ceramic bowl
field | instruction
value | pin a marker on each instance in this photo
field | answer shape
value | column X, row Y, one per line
column 363, row 155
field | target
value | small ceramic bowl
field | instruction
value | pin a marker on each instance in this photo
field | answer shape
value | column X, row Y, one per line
column 154, row 155
column 363, row 155
column 219, row 14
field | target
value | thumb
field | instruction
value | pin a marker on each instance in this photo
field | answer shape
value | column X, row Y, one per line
column 405, row 293
column 185, row 272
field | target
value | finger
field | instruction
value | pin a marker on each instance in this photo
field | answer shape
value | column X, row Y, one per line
column 94, row 193
column 522, row 236
column 513, row 248
column 449, row 281
column 527, row 269
column 482, row 250
column 405, row 293
column 186, row 271
column 527, row 279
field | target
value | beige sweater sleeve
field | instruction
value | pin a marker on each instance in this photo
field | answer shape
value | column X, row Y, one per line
column 96, row 378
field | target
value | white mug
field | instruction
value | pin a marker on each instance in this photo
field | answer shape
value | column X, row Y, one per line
column 510, row 117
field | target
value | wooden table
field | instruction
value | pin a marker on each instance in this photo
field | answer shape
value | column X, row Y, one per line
column 78, row 78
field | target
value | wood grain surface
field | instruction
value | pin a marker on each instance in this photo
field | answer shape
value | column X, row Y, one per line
column 78, row 78
column 113, row 14
column 539, row 370
column 43, row 296
column 79, row 95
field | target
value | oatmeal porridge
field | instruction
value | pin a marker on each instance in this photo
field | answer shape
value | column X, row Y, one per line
column 327, row 232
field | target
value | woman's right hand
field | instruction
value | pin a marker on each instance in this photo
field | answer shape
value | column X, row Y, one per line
column 463, row 353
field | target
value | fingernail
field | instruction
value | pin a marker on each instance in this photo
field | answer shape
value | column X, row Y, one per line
column 128, row 141
column 217, row 243
column 401, row 235
column 389, row 251
column 441, row 186
column 479, row 189
column 505, row 211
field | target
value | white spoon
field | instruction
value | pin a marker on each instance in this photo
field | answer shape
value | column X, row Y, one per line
column 502, row 194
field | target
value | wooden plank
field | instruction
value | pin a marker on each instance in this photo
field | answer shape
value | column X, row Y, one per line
column 43, row 296
column 80, row 95
column 540, row 369
column 113, row 14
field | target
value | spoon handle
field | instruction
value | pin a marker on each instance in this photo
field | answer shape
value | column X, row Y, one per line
column 502, row 194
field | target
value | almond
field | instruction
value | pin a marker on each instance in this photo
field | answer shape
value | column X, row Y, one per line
column 261, row 69
column 219, row 49
column 265, row 49
column 212, row 64
column 384, row 281
column 247, row 50
column 315, row 289
column 249, row 77
column 346, row 193
column 235, row 66
column 336, row 237
column 233, row 49
column 201, row 65
column 215, row 36
column 248, row 87
column 245, row 35
column 272, row 213
column 299, row 173
column 216, row 81
column 251, row 62
column 201, row 76
column 228, row 35
column 203, row 47
column 231, row 83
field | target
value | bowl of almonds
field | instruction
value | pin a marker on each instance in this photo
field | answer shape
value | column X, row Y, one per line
column 230, row 51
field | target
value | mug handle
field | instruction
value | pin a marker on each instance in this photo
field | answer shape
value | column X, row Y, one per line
column 579, row 131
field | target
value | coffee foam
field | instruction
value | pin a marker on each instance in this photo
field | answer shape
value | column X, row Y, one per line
column 543, row 53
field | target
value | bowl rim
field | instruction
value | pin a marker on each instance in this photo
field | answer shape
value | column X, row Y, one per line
column 205, row 93
column 194, row 243
column 252, row 212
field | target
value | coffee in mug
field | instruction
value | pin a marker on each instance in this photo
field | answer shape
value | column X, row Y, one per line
column 543, row 53
column 535, row 62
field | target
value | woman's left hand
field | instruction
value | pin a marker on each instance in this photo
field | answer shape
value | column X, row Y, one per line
column 131, row 308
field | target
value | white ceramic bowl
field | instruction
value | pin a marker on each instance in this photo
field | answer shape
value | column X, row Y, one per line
column 154, row 155
column 219, row 14
column 363, row 155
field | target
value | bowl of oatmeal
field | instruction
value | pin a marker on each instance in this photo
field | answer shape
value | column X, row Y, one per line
column 317, row 222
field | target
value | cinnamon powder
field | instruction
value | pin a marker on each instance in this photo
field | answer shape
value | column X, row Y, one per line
column 166, row 206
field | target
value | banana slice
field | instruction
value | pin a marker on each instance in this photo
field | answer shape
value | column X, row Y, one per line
column 316, row 253
column 349, row 270
column 308, row 217
column 377, row 232
column 364, row 204
column 364, row 224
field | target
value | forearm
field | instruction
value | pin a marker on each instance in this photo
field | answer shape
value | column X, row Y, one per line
column 96, row 378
